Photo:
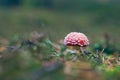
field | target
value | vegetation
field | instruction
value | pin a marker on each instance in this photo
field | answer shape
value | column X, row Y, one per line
column 36, row 56
column 32, row 33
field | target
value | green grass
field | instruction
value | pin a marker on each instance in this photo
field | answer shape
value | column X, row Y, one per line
column 53, row 22
column 93, row 20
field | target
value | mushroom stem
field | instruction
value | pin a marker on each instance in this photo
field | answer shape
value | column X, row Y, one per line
column 82, row 50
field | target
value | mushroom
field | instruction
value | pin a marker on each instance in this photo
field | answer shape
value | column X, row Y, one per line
column 76, row 39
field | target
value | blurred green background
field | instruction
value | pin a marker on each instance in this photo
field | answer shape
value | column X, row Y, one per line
column 59, row 17
column 54, row 18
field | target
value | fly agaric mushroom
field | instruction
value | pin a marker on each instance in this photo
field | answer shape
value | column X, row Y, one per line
column 76, row 39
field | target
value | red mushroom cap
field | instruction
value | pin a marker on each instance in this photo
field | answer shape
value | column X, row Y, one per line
column 76, row 39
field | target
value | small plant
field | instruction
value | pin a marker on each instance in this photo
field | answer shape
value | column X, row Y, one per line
column 76, row 39
column 36, row 51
